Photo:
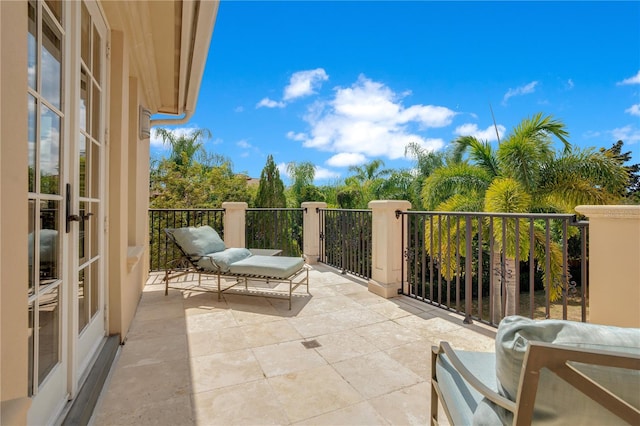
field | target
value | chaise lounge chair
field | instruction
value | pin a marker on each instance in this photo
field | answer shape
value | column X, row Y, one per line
column 204, row 252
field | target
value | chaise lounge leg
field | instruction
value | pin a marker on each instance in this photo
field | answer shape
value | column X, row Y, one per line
column 166, row 282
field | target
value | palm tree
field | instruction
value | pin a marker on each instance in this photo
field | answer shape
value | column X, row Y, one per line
column 427, row 162
column 369, row 177
column 185, row 147
column 302, row 175
column 524, row 174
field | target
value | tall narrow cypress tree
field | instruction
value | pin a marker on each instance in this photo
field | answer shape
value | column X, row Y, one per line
column 271, row 188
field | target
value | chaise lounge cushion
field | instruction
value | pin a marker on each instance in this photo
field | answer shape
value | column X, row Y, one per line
column 557, row 401
column 281, row 267
column 198, row 241
column 222, row 260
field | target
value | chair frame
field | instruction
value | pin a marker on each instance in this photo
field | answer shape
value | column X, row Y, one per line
column 188, row 264
column 539, row 355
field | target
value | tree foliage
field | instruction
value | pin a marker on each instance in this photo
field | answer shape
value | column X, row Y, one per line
column 632, row 190
column 271, row 189
column 191, row 178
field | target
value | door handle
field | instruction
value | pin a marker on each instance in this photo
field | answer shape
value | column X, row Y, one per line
column 70, row 217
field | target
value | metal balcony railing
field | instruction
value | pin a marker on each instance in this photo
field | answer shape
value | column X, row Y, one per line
column 345, row 240
column 161, row 250
column 484, row 266
column 275, row 228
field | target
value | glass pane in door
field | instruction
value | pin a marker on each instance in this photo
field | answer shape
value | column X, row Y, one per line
column 49, row 152
column 49, row 241
column 49, row 332
column 82, row 311
column 51, row 62
column 31, row 346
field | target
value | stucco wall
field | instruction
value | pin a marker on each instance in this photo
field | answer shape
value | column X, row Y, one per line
column 13, row 219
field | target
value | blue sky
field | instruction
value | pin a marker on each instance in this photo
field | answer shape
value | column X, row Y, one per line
column 343, row 83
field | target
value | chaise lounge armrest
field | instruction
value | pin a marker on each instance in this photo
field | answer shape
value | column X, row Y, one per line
column 548, row 371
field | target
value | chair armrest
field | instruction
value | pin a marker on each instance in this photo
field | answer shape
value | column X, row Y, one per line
column 494, row 397
column 557, row 358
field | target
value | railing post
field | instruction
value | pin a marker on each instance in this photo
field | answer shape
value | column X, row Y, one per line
column 386, row 268
column 468, row 271
column 614, row 269
column 310, row 234
column 234, row 223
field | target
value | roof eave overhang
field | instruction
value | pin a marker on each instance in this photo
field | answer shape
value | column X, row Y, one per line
column 168, row 44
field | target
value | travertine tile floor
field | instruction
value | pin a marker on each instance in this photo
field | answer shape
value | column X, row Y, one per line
column 192, row 360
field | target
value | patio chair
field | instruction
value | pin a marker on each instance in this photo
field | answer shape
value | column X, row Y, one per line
column 548, row 371
column 203, row 252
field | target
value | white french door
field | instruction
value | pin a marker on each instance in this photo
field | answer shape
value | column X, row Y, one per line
column 89, row 170
column 66, row 162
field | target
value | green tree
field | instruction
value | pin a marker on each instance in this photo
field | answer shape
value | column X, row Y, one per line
column 184, row 148
column 271, row 189
column 632, row 190
column 426, row 162
column 191, row 177
column 302, row 187
column 524, row 174
column 368, row 179
column 196, row 186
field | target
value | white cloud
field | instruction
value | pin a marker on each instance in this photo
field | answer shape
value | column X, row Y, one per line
column 238, row 109
column 296, row 136
column 270, row 103
column 368, row 118
column 627, row 134
column 570, row 84
column 631, row 80
column 346, row 159
column 521, row 90
column 304, row 83
column 488, row 134
column 243, row 144
column 323, row 174
column 282, row 168
column 633, row 110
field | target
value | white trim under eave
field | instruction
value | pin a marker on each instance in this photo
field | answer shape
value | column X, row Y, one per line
column 198, row 30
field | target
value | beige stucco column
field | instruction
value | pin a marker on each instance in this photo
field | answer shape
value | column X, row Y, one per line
column 614, row 264
column 386, row 268
column 234, row 223
column 311, row 230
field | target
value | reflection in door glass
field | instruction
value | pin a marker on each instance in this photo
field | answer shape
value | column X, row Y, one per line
column 30, row 346
column 48, row 331
column 95, row 112
column 82, row 233
column 31, row 142
column 94, row 173
column 84, row 99
column 32, row 46
column 49, row 152
column 96, row 54
column 49, row 241
column 82, row 314
column 82, row 158
column 31, row 245
column 51, row 57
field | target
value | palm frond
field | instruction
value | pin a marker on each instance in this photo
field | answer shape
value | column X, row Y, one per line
column 459, row 178
column 506, row 195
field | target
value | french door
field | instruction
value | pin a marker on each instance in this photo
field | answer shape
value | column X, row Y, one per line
column 66, row 162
